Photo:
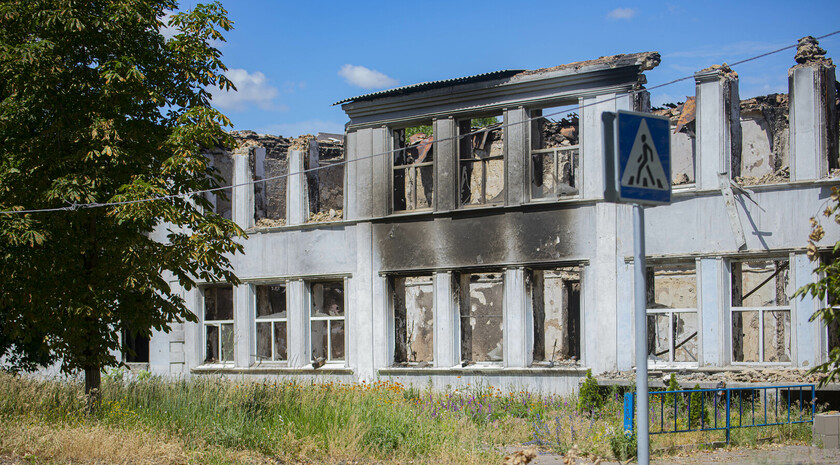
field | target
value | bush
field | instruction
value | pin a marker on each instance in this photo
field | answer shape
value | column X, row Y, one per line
column 623, row 445
column 673, row 385
column 590, row 398
column 696, row 404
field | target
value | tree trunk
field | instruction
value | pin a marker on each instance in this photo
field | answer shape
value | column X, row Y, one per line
column 93, row 382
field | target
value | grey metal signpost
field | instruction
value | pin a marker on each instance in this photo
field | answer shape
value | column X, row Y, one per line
column 637, row 161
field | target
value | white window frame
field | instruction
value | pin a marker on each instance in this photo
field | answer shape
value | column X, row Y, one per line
column 272, row 321
column 205, row 323
column 483, row 162
column 761, row 311
column 670, row 312
column 329, row 320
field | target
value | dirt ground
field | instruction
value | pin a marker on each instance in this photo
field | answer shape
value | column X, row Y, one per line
column 766, row 455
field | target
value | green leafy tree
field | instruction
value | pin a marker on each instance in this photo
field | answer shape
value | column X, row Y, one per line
column 699, row 408
column 827, row 288
column 97, row 106
column 590, row 398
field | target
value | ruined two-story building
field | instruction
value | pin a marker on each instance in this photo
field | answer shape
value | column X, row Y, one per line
column 457, row 234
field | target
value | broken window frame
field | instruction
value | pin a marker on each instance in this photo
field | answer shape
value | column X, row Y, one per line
column 671, row 312
column 484, row 162
column 329, row 320
column 464, row 283
column 272, row 321
column 535, row 154
column 220, row 325
column 761, row 311
column 396, row 331
column 415, row 169
column 571, row 328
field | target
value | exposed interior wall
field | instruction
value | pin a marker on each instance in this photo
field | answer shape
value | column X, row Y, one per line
column 413, row 302
column 269, row 196
column 554, row 173
column 765, row 143
column 413, row 169
column 555, row 295
column 481, row 163
column 481, row 308
column 672, row 313
column 683, row 140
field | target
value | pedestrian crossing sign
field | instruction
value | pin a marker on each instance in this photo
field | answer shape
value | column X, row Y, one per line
column 643, row 150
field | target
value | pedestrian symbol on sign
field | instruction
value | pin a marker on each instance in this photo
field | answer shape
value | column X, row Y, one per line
column 644, row 169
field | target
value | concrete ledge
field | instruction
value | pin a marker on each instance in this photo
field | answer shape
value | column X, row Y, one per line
column 278, row 370
column 482, row 371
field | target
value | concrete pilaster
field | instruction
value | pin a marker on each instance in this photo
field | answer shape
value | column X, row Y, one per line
column 194, row 332
column 710, row 311
column 380, row 175
column 516, row 156
column 298, row 323
column 813, row 124
column 359, row 315
column 600, row 330
column 244, row 305
column 808, row 337
column 591, row 136
column 518, row 320
column 446, row 164
column 242, row 197
column 447, row 322
column 297, row 204
column 718, row 126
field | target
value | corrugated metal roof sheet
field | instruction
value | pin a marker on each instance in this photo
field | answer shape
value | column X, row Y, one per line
column 433, row 85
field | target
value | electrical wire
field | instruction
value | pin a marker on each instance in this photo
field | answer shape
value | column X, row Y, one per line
column 78, row 206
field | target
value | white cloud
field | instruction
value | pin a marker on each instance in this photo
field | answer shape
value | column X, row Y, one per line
column 300, row 128
column 621, row 13
column 251, row 89
column 365, row 78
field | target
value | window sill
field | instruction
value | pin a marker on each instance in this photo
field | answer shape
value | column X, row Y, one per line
column 273, row 370
column 482, row 370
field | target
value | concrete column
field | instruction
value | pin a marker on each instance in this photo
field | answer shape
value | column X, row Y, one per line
column 297, row 203
column 711, row 306
column 591, row 137
column 380, row 175
column 360, row 314
column 447, row 322
column 813, row 121
column 625, row 315
column 446, row 164
column 806, row 336
column 298, row 323
column 718, row 126
column 600, row 317
column 518, row 320
column 242, row 197
column 194, row 332
column 244, row 305
column 358, row 173
column 517, row 152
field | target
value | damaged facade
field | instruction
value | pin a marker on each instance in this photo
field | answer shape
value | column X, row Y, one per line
column 464, row 242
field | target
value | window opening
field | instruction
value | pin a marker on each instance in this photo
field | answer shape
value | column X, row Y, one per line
column 413, row 168
column 220, row 200
column 555, row 299
column 672, row 313
column 270, row 194
column 271, row 323
column 481, row 310
column 135, row 346
column 554, row 154
column 481, row 161
column 327, row 321
column 833, row 328
column 218, row 324
column 325, row 186
column 413, row 303
column 760, row 311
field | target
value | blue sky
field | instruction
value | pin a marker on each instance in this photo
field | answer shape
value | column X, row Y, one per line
column 292, row 60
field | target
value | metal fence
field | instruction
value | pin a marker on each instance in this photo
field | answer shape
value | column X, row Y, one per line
column 741, row 407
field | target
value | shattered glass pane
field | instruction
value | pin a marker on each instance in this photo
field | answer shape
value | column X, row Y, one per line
column 263, row 341
column 336, row 340
column 271, row 301
column 280, row 351
column 777, row 336
column 745, row 336
column 227, row 343
column 685, row 337
column 328, row 299
column 659, row 340
column 224, row 303
column 211, row 353
column 319, row 339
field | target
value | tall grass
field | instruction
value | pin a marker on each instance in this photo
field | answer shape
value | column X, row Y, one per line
column 218, row 421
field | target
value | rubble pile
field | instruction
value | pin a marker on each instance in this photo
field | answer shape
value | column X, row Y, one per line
column 746, row 375
column 779, row 176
